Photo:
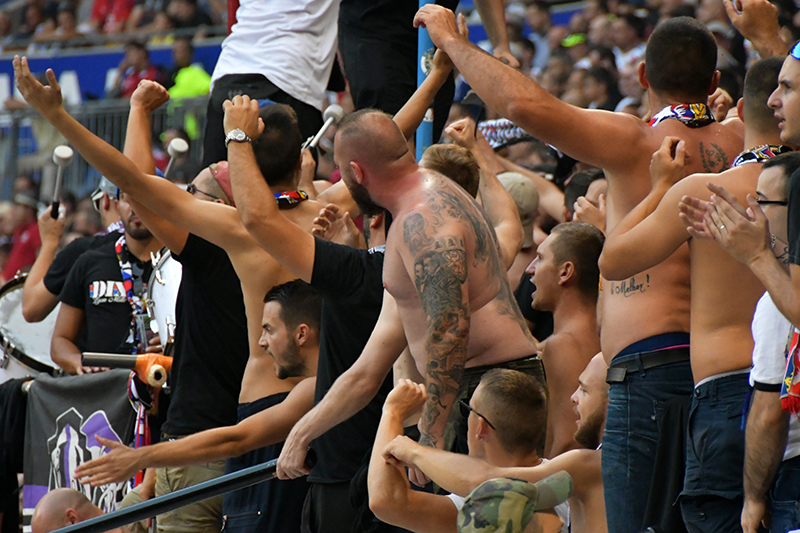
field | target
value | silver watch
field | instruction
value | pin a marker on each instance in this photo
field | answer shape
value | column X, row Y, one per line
column 238, row 136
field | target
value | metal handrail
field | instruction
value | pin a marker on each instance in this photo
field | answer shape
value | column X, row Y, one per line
column 180, row 498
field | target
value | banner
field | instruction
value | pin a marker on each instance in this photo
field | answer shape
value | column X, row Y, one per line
column 64, row 415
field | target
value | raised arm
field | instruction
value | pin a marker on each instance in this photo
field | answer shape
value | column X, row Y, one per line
column 497, row 202
column 436, row 259
column 651, row 231
column 258, row 210
column 582, row 134
column 411, row 114
column 390, row 495
column 37, row 301
column 266, row 427
column 171, row 213
column 493, row 17
column 351, row 391
column 758, row 22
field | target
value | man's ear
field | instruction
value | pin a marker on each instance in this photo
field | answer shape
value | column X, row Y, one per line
column 301, row 334
column 482, row 429
column 714, row 82
column 642, row 72
column 376, row 221
column 358, row 173
column 740, row 109
column 566, row 273
column 71, row 517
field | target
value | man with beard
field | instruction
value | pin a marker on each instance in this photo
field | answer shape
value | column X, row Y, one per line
column 103, row 292
column 443, row 273
column 290, row 336
column 460, row 474
column 566, row 276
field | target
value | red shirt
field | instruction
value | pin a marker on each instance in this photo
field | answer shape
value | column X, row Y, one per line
column 132, row 79
column 111, row 14
column 25, row 244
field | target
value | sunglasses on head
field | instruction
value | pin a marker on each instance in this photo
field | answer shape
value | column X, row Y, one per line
column 795, row 51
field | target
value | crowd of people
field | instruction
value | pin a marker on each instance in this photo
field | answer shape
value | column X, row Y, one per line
column 574, row 313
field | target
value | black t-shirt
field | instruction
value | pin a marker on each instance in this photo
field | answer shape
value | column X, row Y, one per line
column 384, row 19
column 211, row 346
column 57, row 273
column 794, row 218
column 94, row 285
column 351, row 284
column 542, row 320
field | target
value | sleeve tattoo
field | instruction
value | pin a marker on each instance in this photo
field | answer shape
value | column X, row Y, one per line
column 440, row 271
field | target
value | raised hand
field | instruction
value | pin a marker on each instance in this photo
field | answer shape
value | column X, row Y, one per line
column 149, row 95
column 335, row 225
column 440, row 23
column 462, row 132
column 241, row 112
column 441, row 60
column 405, row 399
column 585, row 211
column 50, row 229
column 44, row 99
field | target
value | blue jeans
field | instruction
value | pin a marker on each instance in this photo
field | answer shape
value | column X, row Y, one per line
column 711, row 500
column 635, row 410
column 784, row 497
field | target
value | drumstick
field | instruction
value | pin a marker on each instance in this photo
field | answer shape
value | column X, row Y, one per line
column 62, row 156
column 177, row 147
column 333, row 114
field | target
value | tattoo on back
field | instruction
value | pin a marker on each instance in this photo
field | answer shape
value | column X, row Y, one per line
column 713, row 157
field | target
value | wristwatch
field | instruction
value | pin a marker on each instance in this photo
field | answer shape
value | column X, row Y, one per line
column 238, row 136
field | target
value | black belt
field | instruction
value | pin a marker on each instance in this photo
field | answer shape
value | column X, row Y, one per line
column 645, row 361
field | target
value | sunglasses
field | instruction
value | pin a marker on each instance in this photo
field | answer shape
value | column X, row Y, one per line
column 466, row 408
column 192, row 188
column 761, row 201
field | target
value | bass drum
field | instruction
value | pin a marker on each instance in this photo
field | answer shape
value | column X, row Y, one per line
column 24, row 347
column 162, row 294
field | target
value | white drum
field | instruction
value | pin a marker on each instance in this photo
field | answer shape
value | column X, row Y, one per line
column 162, row 294
column 24, row 347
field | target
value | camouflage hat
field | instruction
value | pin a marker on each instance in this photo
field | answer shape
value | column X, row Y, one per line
column 506, row 505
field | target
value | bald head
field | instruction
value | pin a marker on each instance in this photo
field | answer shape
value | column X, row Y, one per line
column 62, row 507
column 370, row 138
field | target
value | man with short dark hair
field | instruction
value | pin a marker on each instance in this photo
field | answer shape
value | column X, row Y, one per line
column 25, row 242
column 290, row 336
column 134, row 67
column 724, row 295
column 565, row 274
column 649, row 322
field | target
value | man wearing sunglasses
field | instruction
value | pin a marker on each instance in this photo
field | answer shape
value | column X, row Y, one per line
column 497, row 437
column 49, row 272
column 103, row 290
column 724, row 294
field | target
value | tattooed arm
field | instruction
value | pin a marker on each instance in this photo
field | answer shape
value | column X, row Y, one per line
column 439, row 261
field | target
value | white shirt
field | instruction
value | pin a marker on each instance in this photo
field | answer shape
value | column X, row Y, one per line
column 291, row 42
column 771, row 331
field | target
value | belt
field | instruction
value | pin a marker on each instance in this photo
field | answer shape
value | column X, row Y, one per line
column 646, row 361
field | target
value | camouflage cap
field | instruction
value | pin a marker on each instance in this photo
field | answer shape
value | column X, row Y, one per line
column 507, row 505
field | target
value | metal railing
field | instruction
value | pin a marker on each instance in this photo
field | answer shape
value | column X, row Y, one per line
column 27, row 141
column 181, row 498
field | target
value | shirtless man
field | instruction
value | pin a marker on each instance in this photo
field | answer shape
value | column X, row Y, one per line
column 724, row 296
column 650, row 312
column 455, row 267
column 459, row 474
column 202, row 213
column 565, row 274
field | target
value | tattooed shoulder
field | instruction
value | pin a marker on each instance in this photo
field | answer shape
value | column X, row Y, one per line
column 713, row 157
